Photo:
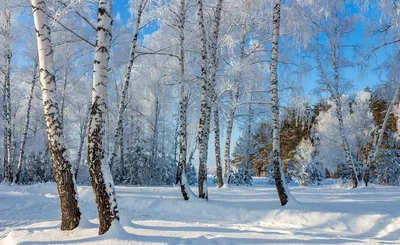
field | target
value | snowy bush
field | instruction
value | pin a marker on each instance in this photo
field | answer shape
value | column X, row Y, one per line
column 388, row 167
column 191, row 174
column 242, row 175
column 358, row 123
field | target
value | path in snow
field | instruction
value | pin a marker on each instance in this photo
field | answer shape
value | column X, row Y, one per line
column 239, row 215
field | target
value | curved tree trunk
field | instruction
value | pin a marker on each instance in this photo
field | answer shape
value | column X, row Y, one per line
column 99, row 169
column 127, row 78
column 62, row 169
column 26, row 126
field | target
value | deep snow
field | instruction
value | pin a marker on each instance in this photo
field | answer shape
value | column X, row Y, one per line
column 238, row 215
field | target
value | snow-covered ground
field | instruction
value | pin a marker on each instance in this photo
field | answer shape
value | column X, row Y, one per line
column 240, row 215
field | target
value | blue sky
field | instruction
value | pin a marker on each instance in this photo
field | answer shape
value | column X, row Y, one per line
column 361, row 81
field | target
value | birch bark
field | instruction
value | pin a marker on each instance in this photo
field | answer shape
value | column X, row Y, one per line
column 62, row 169
column 213, row 69
column 276, row 154
column 204, row 125
column 99, row 169
column 183, row 104
column 227, row 154
column 7, row 93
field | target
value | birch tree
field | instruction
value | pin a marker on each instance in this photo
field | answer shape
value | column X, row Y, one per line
column 204, row 124
column 212, row 83
column 280, row 182
column 99, row 169
column 62, row 169
column 26, row 125
column 330, row 69
column 183, row 105
column 122, row 104
column 229, row 128
column 7, row 53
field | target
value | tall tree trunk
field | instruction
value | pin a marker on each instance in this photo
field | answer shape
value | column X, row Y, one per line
column 8, row 116
column 82, row 136
column 121, row 155
column 182, row 168
column 204, row 125
column 248, row 141
column 183, row 105
column 62, row 169
column 378, row 141
column 99, row 169
column 231, row 117
column 5, row 135
column 127, row 78
column 7, row 74
column 64, row 88
column 227, row 154
column 346, row 145
column 339, row 114
column 276, row 154
column 176, row 139
column 213, row 69
column 26, row 126
column 154, row 142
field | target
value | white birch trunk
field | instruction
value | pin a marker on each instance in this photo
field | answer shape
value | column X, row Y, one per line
column 99, row 169
column 231, row 117
column 248, row 141
column 127, row 78
column 26, row 126
column 8, row 116
column 227, row 154
column 82, row 136
column 204, row 125
column 64, row 88
column 339, row 114
column 7, row 93
column 283, row 192
column 5, row 154
column 183, row 105
column 346, row 146
column 154, row 141
column 213, row 69
column 62, row 168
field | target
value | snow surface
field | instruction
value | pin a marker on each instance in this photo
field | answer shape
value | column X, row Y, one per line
column 238, row 215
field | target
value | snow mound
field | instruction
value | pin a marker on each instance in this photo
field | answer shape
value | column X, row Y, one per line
column 84, row 223
column 117, row 232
